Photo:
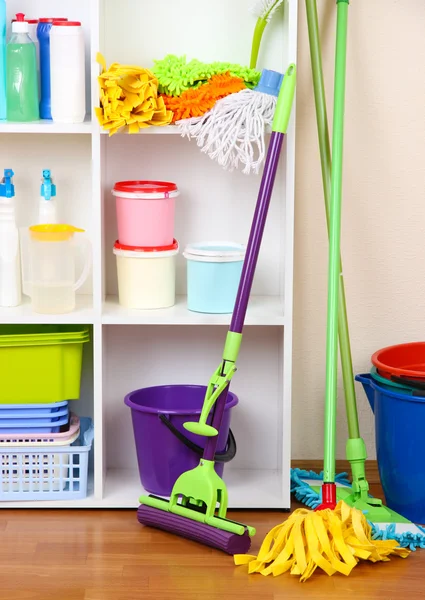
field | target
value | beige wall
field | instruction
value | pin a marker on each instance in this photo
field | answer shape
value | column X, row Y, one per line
column 383, row 243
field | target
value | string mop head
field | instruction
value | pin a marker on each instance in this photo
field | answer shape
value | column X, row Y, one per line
column 233, row 131
column 332, row 540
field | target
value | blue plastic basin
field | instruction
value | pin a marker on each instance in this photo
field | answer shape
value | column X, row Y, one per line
column 399, row 432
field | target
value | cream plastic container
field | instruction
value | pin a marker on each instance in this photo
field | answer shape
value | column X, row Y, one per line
column 146, row 276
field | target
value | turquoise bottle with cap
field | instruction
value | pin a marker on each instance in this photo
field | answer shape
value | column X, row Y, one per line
column 10, row 260
column 2, row 60
column 47, row 209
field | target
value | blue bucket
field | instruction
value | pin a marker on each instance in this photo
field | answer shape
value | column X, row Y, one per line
column 213, row 273
column 399, row 432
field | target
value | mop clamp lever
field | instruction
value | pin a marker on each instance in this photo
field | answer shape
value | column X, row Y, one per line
column 216, row 386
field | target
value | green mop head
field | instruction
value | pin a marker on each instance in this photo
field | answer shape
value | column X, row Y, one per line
column 306, row 486
column 175, row 75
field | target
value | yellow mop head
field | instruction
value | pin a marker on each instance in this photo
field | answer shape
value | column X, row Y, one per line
column 333, row 540
column 129, row 98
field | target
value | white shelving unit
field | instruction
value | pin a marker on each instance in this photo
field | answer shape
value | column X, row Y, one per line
column 133, row 349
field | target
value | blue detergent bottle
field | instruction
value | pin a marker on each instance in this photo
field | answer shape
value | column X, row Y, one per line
column 2, row 60
column 43, row 34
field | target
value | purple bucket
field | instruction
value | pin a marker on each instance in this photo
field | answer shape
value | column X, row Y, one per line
column 161, row 456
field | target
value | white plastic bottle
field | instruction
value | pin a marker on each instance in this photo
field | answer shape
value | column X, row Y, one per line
column 67, row 72
column 10, row 261
column 47, row 210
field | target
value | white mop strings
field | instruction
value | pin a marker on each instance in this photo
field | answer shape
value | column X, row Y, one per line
column 233, row 131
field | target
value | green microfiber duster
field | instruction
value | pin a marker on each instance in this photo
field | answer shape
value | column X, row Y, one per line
column 175, row 75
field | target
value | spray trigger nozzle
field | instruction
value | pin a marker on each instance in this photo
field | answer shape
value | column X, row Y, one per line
column 7, row 189
column 48, row 188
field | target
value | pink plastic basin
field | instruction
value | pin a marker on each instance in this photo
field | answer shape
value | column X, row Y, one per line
column 145, row 212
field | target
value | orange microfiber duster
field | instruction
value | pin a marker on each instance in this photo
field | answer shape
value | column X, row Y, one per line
column 197, row 101
column 129, row 97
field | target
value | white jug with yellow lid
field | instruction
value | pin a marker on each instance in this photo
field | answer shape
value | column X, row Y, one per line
column 52, row 255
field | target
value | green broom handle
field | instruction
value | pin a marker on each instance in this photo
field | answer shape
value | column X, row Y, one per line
column 334, row 245
column 325, row 157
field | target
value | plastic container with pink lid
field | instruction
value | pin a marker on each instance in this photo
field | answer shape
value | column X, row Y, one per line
column 145, row 212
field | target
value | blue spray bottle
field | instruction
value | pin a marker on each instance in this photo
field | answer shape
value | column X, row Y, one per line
column 2, row 60
column 47, row 211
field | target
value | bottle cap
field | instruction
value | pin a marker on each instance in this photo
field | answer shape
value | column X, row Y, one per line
column 20, row 25
column 30, row 21
column 48, row 188
column 7, row 189
column 270, row 82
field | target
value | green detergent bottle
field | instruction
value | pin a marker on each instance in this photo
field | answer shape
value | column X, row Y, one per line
column 21, row 74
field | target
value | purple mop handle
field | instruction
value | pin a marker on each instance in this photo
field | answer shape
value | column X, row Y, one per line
column 248, row 270
column 257, row 230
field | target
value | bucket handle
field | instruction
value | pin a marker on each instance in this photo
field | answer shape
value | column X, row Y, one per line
column 413, row 383
column 221, row 457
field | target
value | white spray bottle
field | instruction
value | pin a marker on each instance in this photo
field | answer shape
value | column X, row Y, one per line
column 10, row 259
column 47, row 211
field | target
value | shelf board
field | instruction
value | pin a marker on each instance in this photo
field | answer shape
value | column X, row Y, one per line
column 83, row 313
column 262, row 310
column 248, row 489
column 164, row 130
column 46, row 126
column 153, row 130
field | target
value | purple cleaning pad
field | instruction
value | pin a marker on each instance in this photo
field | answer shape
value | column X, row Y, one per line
column 231, row 543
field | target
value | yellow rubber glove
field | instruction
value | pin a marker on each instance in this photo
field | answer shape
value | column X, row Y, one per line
column 129, row 98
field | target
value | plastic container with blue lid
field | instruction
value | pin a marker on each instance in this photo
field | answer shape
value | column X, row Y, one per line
column 213, row 273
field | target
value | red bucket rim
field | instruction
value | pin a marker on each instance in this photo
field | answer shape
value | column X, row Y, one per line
column 388, row 361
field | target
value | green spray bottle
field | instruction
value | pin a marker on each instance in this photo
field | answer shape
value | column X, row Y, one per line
column 21, row 74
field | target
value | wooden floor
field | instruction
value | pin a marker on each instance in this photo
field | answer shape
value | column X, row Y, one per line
column 107, row 555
